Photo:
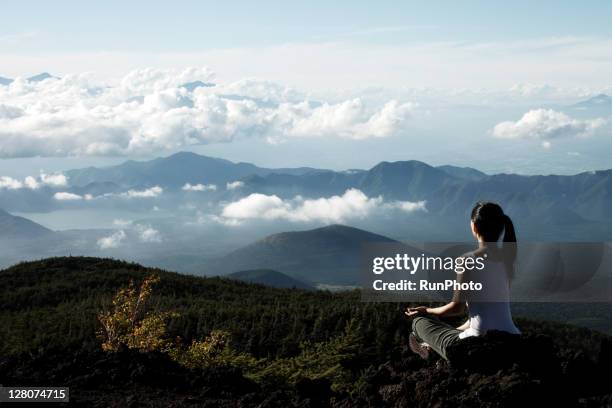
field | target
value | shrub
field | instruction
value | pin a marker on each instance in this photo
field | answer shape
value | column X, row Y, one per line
column 127, row 324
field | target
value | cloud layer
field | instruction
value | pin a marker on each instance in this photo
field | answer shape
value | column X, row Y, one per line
column 545, row 125
column 352, row 204
column 154, row 110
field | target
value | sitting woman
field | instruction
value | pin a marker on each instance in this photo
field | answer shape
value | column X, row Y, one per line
column 488, row 309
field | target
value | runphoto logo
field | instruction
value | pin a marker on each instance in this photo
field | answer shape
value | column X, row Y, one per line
column 412, row 264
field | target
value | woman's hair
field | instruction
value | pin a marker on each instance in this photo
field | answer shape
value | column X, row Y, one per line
column 490, row 221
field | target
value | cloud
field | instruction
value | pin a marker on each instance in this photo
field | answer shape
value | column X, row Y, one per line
column 147, row 193
column 10, row 183
column 349, row 119
column 407, row 206
column 122, row 223
column 55, row 180
column 112, row 241
column 148, row 234
column 149, row 111
column 545, row 125
column 352, row 204
column 199, row 187
column 234, row 185
column 65, row 196
column 33, row 183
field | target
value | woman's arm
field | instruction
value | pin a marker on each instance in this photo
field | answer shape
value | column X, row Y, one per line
column 454, row 307
column 449, row 309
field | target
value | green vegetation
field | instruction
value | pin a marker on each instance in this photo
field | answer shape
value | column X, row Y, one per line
column 275, row 337
column 274, row 334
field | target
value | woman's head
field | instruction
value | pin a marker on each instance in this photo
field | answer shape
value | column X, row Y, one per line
column 488, row 223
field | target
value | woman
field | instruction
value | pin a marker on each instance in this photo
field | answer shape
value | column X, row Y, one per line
column 488, row 309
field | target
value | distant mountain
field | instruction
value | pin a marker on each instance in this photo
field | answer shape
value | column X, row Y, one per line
column 466, row 173
column 13, row 227
column 449, row 191
column 598, row 101
column 401, row 180
column 452, row 191
column 329, row 255
column 173, row 172
column 35, row 78
column 40, row 77
column 190, row 86
column 269, row 277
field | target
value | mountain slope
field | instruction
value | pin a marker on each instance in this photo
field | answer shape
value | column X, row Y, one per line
column 269, row 277
column 13, row 227
column 329, row 255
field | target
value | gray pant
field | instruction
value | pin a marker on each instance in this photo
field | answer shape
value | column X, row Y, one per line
column 436, row 333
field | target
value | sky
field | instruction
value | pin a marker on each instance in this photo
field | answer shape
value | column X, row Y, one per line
column 342, row 85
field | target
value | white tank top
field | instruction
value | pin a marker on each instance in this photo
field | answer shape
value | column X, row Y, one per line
column 489, row 309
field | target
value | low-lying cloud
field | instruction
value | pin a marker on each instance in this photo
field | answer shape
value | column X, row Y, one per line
column 234, row 185
column 352, row 204
column 154, row 110
column 199, row 187
column 65, row 196
column 148, row 234
column 112, row 241
column 34, row 183
column 545, row 125
column 146, row 193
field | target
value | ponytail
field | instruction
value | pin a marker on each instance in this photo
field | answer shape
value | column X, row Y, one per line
column 489, row 222
column 509, row 247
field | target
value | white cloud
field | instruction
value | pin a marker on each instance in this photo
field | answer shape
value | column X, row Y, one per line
column 54, row 180
column 352, row 204
column 65, row 196
column 147, row 193
column 199, row 187
column 113, row 240
column 148, row 111
column 10, row 183
column 545, row 125
column 122, row 223
column 407, row 206
column 234, row 185
column 33, row 183
column 148, row 234
column 349, row 119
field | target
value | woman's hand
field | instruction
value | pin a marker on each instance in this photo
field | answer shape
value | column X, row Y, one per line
column 413, row 311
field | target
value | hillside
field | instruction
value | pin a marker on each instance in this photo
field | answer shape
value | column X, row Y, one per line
column 329, row 255
column 269, row 277
column 48, row 323
column 13, row 227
